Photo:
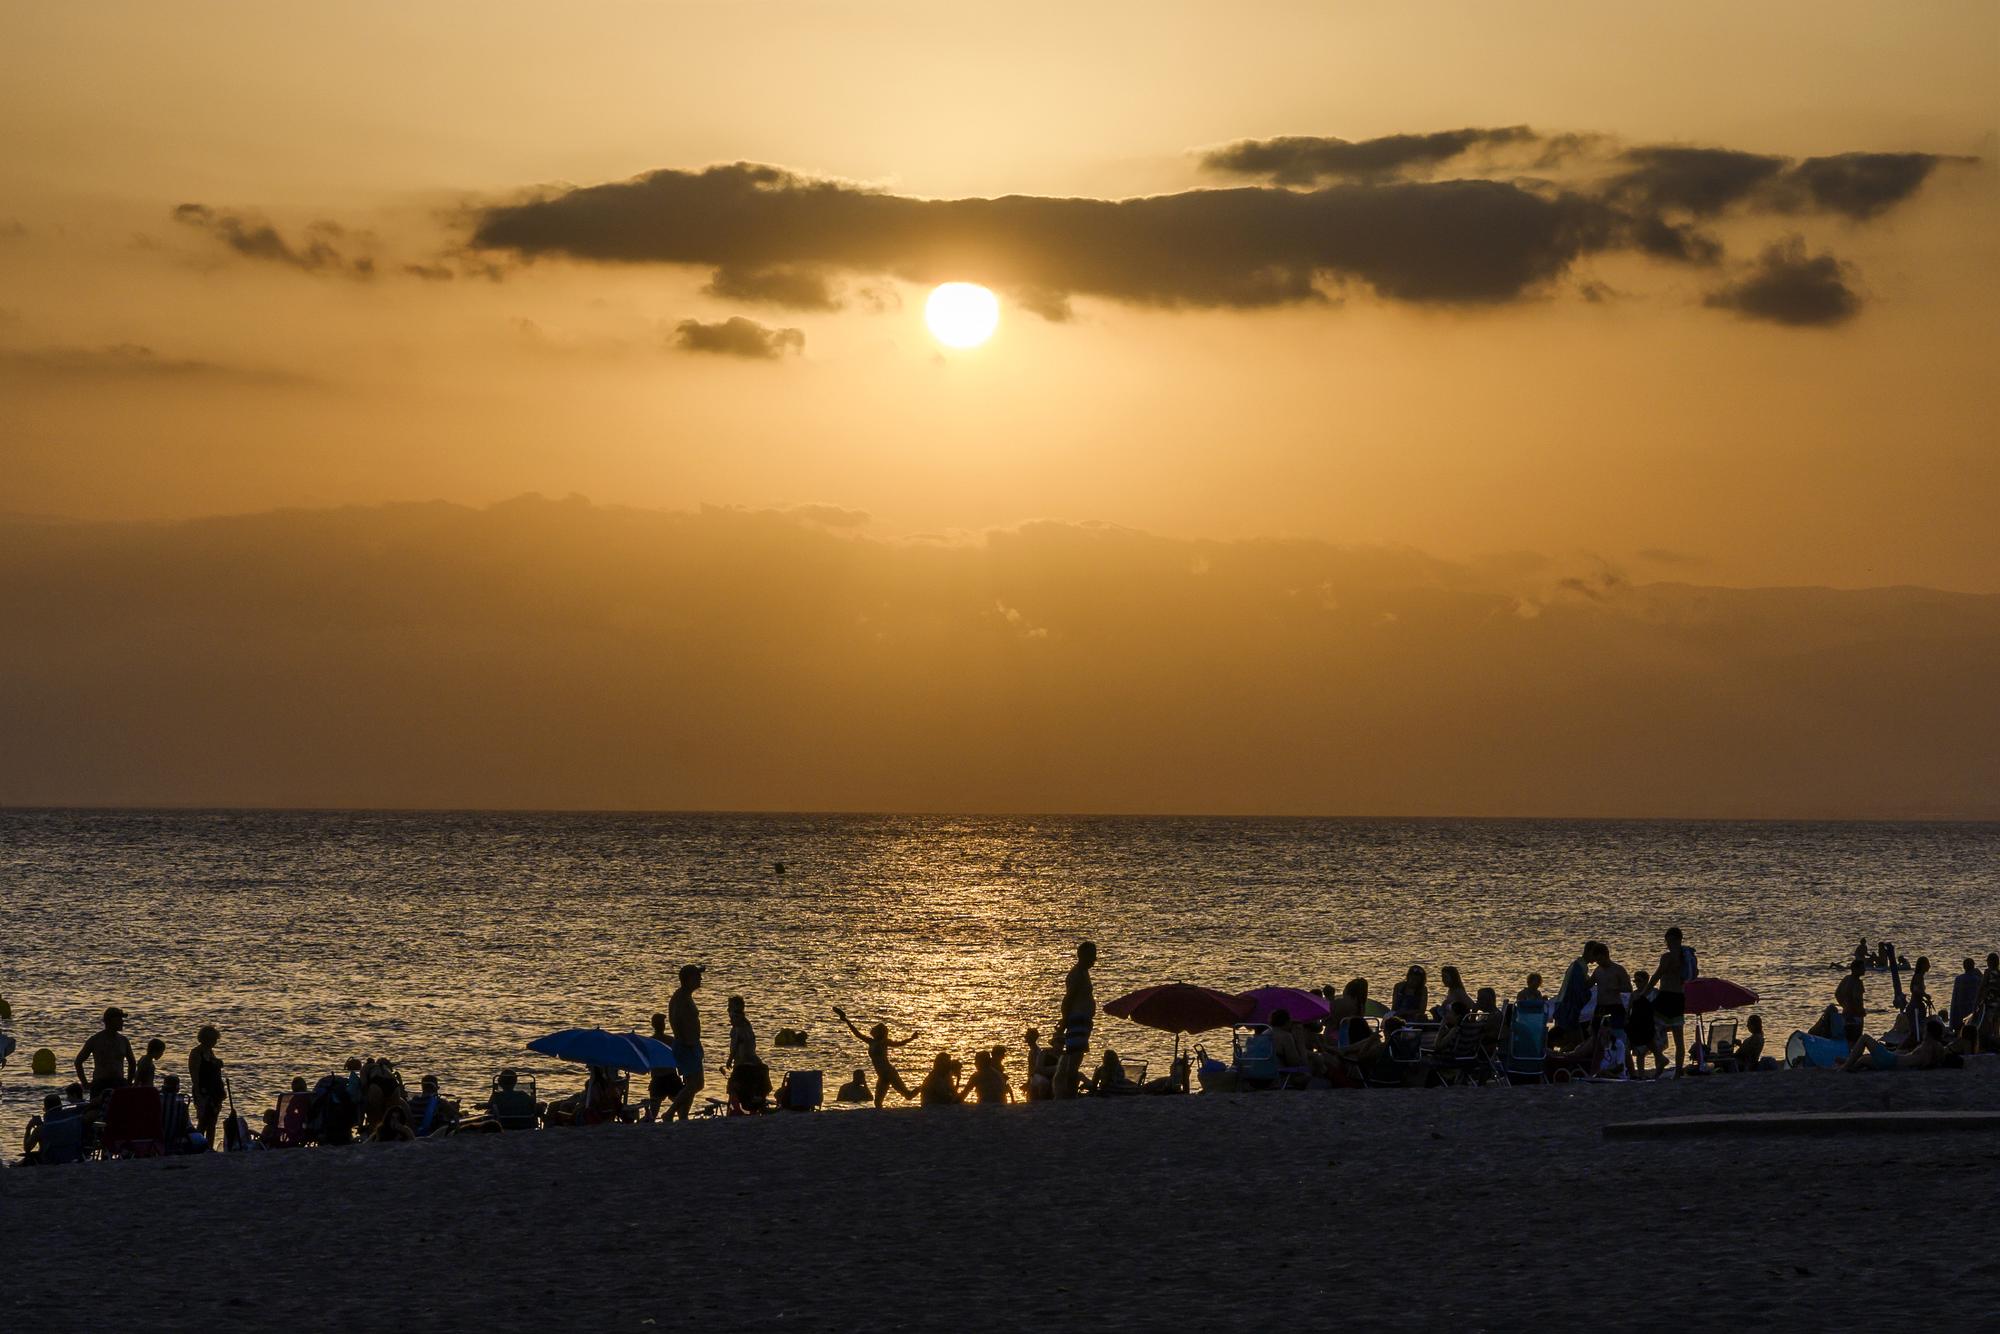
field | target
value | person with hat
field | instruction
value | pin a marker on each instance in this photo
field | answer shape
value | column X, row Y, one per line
column 109, row 1052
column 205, row 1081
column 685, row 1021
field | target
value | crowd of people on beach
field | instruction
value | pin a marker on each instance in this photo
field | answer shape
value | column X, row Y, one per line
column 1601, row 1022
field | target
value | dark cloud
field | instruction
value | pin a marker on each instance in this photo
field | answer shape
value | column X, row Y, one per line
column 128, row 361
column 1859, row 185
column 324, row 248
column 1452, row 241
column 774, row 236
column 738, row 337
column 1789, row 286
column 1313, row 159
column 791, row 288
column 1701, row 181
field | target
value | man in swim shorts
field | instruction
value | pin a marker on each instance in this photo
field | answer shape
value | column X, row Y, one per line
column 1670, row 1005
column 109, row 1052
column 1079, row 1008
column 685, row 1021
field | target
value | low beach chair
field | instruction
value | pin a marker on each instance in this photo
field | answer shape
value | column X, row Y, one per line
column 1463, row 1058
column 133, row 1125
column 1256, row 1061
column 1524, row 1043
column 518, row 1111
column 62, row 1140
column 802, row 1091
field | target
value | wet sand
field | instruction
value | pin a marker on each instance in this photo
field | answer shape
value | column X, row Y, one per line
column 1462, row 1209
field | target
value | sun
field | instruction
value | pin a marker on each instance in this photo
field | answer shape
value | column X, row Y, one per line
column 961, row 314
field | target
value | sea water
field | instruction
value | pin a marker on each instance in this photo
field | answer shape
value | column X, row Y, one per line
column 447, row 941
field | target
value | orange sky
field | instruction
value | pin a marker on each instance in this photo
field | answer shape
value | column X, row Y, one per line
column 1803, row 396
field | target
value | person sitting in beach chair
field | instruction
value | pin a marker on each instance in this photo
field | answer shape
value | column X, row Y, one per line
column 1410, row 1000
column 1110, row 1076
column 1459, row 1055
column 1288, row 1045
column 1351, row 1003
column 430, row 1111
column 513, row 1107
column 1454, row 994
column 855, row 1089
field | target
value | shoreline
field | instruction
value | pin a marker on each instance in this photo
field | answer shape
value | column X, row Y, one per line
column 1484, row 1208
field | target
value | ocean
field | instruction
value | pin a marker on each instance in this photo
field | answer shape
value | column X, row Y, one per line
column 447, row 940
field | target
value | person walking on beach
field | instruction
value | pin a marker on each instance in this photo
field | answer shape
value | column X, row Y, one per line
column 109, row 1052
column 1677, row 968
column 1079, row 1009
column 685, row 1020
column 205, row 1081
column 749, row 1078
column 1851, row 996
column 878, row 1043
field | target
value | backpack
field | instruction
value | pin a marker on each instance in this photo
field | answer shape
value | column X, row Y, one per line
column 1689, row 972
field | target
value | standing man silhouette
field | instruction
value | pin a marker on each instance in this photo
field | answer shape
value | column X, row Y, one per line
column 1079, row 1008
column 685, row 1020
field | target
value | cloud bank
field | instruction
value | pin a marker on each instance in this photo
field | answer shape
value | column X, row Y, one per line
column 556, row 654
column 1329, row 213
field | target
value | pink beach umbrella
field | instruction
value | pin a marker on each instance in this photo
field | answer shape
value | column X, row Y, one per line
column 1706, row 995
column 1178, row 1007
column 1302, row 1006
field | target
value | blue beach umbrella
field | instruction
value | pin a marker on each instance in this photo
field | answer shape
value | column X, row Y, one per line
column 613, row 1051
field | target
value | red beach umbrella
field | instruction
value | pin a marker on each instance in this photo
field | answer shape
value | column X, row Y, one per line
column 1706, row 995
column 1302, row 1006
column 1178, row 1007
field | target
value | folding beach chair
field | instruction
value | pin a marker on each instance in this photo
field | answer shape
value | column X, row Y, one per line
column 515, row 1110
column 1524, row 1042
column 133, row 1124
column 802, row 1091
column 1464, row 1058
column 62, row 1140
column 1719, row 1043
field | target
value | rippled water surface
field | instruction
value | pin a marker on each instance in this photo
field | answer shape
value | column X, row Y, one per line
column 447, row 940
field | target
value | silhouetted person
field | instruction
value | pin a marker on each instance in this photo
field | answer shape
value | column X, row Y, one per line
column 685, row 1021
column 749, row 1078
column 663, row 1084
column 109, row 1052
column 149, row 1064
column 205, row 1081
column 940, row 1086
column 879, row 1043
column 1079, row 1010
column 1851, row 997
column 1965, row 996
column 855, row 1089
column 1670, row 1005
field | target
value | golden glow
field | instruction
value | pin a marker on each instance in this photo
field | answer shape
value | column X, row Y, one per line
column 961, row 314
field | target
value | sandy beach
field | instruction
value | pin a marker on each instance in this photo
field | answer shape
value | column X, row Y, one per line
column 1464, row 1209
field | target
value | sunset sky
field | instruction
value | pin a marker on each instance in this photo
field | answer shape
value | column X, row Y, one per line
column 1535, row 311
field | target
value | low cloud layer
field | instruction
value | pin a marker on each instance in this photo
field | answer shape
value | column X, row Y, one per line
column 1788, row 285
column 738, row 337
column 557, row 654
column 1451, row 217
column 128, row 362
column 324, row 247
